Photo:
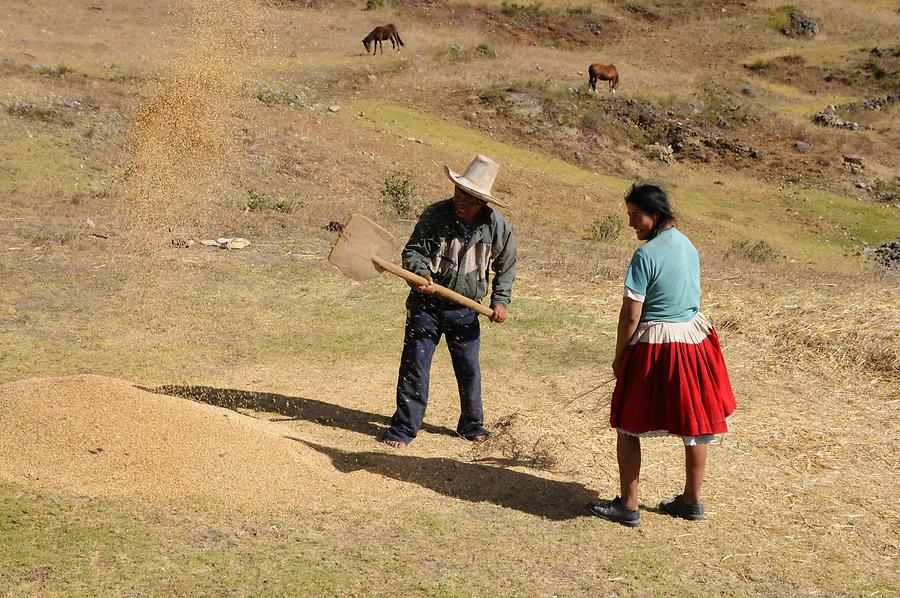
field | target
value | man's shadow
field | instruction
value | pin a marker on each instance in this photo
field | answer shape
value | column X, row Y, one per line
column 293, row 408
column 469, row 481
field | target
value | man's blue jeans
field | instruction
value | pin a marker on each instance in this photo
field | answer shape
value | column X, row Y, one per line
column 428, row 318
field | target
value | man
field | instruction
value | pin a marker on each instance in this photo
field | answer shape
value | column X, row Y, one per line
column 454, row 243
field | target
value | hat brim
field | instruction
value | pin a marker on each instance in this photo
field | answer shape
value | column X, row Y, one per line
column 467, row 186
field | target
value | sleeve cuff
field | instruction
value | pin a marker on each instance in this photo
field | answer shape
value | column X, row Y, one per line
column 634, row 296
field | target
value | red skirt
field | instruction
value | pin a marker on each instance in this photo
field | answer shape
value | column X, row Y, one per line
column 672, row 380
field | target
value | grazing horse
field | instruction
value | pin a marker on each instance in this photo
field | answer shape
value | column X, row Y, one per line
column 604, row 72
column 383, row 32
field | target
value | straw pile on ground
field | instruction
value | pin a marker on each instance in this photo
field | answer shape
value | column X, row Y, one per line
column 98, row 436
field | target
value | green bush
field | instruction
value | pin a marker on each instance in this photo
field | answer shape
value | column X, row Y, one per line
column 457, row 53
column 256, row 201
column 580, row 11
column 594, row 119
column 27, row 110
column 886, row 191
column 377, row 4
column 398, row 192
column 486, row 50
column 512, row 9
column 286, row 206
column 760, row 64
column 605, row 228
column 874, row 67
column 271, row 97
column 56, row 71
column 492, row 96
column 758, row 252
column 780, row 16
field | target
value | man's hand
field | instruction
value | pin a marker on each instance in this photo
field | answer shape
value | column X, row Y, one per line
column 428, row 289
column 500, row 314
column 615, row 366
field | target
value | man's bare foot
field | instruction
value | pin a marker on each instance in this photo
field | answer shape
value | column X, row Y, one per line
column 394, row 443
column 481, row 438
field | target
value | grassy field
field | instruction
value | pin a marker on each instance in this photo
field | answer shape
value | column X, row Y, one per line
column 290, row 130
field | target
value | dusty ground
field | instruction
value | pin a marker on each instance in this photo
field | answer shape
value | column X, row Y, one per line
column 211, row 413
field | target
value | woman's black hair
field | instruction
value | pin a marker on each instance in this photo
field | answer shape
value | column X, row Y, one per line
column 653, row 201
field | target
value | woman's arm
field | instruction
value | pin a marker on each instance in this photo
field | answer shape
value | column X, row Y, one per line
column 629, row 317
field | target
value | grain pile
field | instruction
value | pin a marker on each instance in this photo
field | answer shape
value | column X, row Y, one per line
column 182, row 140
column 98, row 436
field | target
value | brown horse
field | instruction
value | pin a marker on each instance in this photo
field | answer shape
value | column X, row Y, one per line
column 603, row 72
column 383, row 32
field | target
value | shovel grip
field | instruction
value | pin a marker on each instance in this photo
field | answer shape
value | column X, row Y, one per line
column 438, row 289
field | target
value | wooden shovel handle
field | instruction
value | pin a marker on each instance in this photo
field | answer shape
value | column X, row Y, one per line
column 438, row 289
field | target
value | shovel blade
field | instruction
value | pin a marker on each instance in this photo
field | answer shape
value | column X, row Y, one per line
column 360, row 239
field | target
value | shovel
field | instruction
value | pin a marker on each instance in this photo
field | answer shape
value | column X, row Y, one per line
column 364, row 249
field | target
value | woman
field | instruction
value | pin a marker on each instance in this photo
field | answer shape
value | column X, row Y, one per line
column 670, row 374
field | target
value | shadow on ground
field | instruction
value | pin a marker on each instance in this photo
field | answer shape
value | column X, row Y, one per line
column 294, row 408
column 469, row 481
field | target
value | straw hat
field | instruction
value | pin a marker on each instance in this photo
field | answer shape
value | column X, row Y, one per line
column 478, row 179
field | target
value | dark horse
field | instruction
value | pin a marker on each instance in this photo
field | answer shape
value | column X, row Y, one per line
column 604, row 72
column 383, row 32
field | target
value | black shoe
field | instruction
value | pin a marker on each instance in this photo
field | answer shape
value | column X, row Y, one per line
column 614, row 511
column 676, row 507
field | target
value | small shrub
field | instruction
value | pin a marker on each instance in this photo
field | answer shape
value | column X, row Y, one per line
column 22, row 109
column 454, row 52
column 538, row 84
column 285, row 206
column 781, row 16
column 713, row 108
column 714, row 103
column 639, row 97
column 657, row 132
column 492, row 96
column 886, row 191
column 398, row 192
column 399, row 65
column 378, row 4
column 458, row 53
column 594, row 120
column 512, row 9
column 758, row 253
column 876, row 70
column 44, row 238
column 670, row 102
column 256, row 201
column 485, row 50
column 760, row 64
column 606, row 228
column 55, row 71
column 272, row 97
column 635, row 134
